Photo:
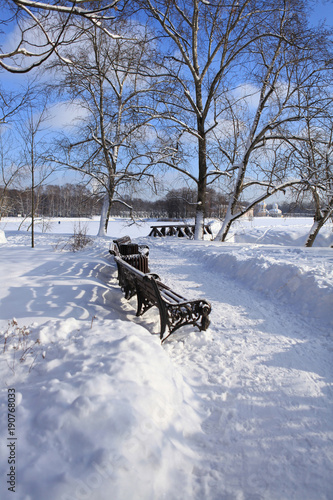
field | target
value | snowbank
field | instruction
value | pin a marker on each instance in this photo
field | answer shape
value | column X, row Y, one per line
column 101, row 409
column 290, row 283
column 281, row 231
column 300, row 278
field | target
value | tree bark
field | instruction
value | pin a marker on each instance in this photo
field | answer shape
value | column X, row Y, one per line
column 202, row 182
column 320, row 219
column 103, row 219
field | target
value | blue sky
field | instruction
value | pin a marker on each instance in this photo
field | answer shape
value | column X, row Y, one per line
column 323, row 10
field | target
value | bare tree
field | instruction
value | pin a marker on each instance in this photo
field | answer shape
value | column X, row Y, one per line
column 111, row 145
column 42, row 29
column 9, row 168
column 311, row 155
column 12, row 103
column 211, row 45
column 284, row 67
column 35, row 152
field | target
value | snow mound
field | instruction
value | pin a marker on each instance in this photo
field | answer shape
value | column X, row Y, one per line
column 301, row 278
column 110, row 412
column 270, row 231
column 312, row 295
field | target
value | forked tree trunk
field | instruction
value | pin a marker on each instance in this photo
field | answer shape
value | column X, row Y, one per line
column 319, row 221
column 228, row 220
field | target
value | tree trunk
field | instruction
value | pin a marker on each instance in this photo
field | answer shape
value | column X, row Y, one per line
column 320, row 217
column 32, row 157
column 222, row 234
column 319, row 221
column 202, row 183
column 104, row 216
column 108, row 213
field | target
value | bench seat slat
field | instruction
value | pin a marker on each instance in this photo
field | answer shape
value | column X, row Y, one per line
column 171, row 297
column 167, row 290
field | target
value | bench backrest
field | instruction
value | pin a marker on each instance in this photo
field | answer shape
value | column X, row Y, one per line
column 125, row 246
column 129, row 276
column 138, row 261
column 150, row 284
column 128, row 248
column 122, row 241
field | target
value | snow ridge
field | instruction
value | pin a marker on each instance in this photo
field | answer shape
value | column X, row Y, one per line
column 296, row 277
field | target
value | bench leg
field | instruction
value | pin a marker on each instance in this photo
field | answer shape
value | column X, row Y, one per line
column 143, row 304
column 192, row 313
column 163, row 321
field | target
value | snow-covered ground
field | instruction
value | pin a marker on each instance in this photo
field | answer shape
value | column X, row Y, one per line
column 242, row 411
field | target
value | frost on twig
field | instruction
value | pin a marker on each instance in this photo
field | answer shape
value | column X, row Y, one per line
column 18, row 345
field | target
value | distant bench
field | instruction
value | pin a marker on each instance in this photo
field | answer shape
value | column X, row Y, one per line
column 175, row 311
column 134, row 254
column 180, row 230
column 126, row 247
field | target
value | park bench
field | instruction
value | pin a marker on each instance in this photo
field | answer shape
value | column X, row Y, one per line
column 126, row 247
column 180, row 230
column 136, row 259
column 175, row 310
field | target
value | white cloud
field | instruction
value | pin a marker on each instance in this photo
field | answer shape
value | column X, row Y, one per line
column 249, row 93
column 66, row 114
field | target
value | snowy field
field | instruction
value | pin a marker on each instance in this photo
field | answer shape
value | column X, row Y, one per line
column 242, row 411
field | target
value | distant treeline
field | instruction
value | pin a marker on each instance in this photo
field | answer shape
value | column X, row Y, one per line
column 69, row 200
column 76, row 200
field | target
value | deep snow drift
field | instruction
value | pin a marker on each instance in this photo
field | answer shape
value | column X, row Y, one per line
column 242, row 411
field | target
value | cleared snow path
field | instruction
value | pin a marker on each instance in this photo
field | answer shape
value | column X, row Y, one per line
column 263, row 378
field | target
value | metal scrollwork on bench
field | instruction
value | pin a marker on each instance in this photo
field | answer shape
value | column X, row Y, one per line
column 190, row 313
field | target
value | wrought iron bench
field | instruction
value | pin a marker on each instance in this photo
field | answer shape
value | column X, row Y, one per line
column 175, row 311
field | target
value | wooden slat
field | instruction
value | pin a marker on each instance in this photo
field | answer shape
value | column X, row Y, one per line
column 127, row 266
column 171, row 296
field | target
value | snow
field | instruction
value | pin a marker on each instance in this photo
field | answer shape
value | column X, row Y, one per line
column 242, row 411
column 2, row 237
column 93, row 406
